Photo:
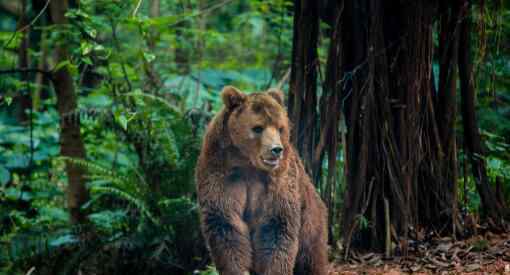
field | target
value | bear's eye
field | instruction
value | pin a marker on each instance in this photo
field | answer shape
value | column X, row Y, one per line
column 280, row 130
column 257, row 129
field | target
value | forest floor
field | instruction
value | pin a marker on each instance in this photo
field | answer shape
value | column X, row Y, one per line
column 478, row 255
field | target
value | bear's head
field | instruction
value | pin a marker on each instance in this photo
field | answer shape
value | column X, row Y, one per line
column 258, row 127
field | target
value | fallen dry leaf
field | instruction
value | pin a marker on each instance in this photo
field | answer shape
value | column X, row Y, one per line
column 436, row 256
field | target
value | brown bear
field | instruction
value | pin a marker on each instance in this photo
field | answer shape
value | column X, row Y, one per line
column 259, row 212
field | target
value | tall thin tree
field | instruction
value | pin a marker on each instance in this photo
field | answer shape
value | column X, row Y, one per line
column 491, row 206
column 71, row 143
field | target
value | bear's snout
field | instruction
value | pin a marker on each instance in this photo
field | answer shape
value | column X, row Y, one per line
column 277, row 150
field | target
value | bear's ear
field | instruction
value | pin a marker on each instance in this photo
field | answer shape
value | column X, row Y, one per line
column 277, row 95
column 232, row 97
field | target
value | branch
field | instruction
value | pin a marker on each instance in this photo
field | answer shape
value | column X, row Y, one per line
column 284, row 79
column 205, row 10
column 27, row 26
column 35, row 18
column 137, row 7
column 48, row 74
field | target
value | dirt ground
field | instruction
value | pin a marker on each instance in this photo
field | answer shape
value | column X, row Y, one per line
column 479, row 255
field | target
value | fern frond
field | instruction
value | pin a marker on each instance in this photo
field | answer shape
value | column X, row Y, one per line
column 22, row 246
column 103, row 180
column 90, row 166
column 169, row 144
column 168, row 106
column 87, row 114
column 96, row 171
column 138, row 203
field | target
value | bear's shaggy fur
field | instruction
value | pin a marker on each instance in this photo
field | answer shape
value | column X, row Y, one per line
column 260, row 213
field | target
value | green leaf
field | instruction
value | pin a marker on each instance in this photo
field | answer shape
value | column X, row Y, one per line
column 15, row 194
column 5, row 175
column 17, row 161
column 85, row 48
column 99, row 47
column 149, row 56
column 91, row 31
column 61, row 65
column 87, row 60
column 63, row 240
column 53, row 214
column 108, row 220
column 123, row 121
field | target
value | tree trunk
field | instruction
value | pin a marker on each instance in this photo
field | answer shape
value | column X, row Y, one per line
column 155, row 8
column 153, row 83
column 393, row 146
column 154, row 12
column 38, row 39
column 330, row 116
column 302, row 102
column 356, row 150
column 446, row 104
column 472, row 138
column 71, row 144
column 182, row 53
column 24, row 101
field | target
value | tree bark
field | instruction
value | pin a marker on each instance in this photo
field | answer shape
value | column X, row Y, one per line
column 472, row 138
column 24, row 100
column 393, row 145
column 330, row 116
column 71, row 144
column 37, row 40
column 446, row 104
column 356, row 153
column 182, row 53
column 302, row 102
column 154, row 12
column 153, row 82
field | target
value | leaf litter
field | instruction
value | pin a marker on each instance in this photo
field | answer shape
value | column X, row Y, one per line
column 479, row 255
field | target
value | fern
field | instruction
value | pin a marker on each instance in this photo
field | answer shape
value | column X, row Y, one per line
column 90, row 166
column 98, row 172
column 168, row 142
column 140, row 204
column 161, row 101
column 162, row 139
column 23, row 246
column 107, row 182
column 101, row 115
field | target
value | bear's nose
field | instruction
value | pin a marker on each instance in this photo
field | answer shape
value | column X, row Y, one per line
column 277, row 151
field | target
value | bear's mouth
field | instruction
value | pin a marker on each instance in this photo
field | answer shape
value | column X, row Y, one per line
column 271, row 162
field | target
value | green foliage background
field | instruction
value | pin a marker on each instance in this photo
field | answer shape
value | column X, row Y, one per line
column 141, row 121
